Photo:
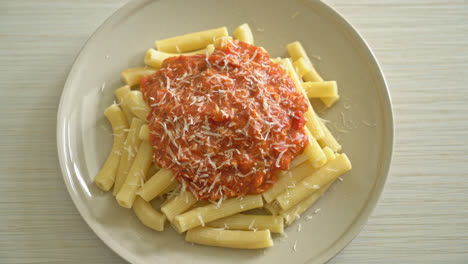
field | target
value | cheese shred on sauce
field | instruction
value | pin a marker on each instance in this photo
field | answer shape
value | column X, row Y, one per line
column 224, row 124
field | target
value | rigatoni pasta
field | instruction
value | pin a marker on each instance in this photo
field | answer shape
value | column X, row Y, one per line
column 137, row 104
column 326, row 174
column 289, row 179
column 244, row 34
column 148, row 215
column 200, row 216
column 128, row 153
column 157, row 184
column 136, row 176
column 272, row 208
column 320, row 89
column 120, row 95
column 219, row 237
column 305, row 69
column 154, row 58
column 160, row 134
column 297, row 51
column 190, row 42
column 292, row 214
column 298, row 160
column 312, row 118
column 314, row 152
column 178, row 204
column 144, row 132
column 106, row 177
column 309, row 74
column 133, row 76
column 250, row 222
column 328, row 140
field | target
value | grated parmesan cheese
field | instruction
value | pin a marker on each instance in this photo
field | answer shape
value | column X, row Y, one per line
column 201, row 220
column 252, row 224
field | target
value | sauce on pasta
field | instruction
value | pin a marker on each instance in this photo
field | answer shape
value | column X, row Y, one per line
column 225, row 124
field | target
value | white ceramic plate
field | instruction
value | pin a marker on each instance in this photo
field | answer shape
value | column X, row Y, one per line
column 339, row 53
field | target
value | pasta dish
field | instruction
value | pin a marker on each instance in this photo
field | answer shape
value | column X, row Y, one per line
column 215, row 128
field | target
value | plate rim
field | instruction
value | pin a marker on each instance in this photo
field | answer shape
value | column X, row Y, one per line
column 348, row 235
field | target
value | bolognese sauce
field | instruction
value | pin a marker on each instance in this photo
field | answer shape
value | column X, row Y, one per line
column 225, row 124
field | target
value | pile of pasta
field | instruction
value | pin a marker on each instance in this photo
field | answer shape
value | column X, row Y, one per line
column 136, row 180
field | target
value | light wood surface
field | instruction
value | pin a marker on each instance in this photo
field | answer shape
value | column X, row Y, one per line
column 422, row 216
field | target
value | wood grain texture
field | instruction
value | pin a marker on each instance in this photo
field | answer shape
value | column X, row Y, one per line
column 422, row 216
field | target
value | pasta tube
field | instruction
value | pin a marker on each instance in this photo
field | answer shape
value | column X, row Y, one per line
column 148, row 215
column 155, row 58
column 294, row 213
column 306, row 70
column 154, row 186
column 328, row 139
column 229, row 238
column 329, row 153
column 272, row 208
column 201, row 215
column 189, row 42
column 320, row 89
column 244, row 34
column 250, row 222
column 312, row 118
column 144, row 132
column 106, row 176
column 309, row 74
column 221, row 42
column 178, row 204
column 120, row 94
column 298, row 161
column 136, row 175
column 137, row 104
column 300, row 168
column 289, row 179
column 329, row 101
column 133, row 76
column 209, row 49
column 277, row 60
column 314, row 182
column 314, row 152
column 297, row 51
column 129, row 150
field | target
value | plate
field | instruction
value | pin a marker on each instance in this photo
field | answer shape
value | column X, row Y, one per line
column 362, row 120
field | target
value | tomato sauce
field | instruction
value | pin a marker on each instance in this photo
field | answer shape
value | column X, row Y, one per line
column 227, row 123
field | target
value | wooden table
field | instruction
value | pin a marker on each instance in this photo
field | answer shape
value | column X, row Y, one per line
column 422, row 216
